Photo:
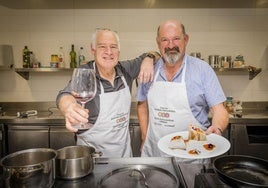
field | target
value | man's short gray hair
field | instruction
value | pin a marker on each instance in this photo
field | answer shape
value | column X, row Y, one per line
column 94, row 36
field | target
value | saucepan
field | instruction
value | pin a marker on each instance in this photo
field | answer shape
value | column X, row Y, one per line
column 74, row 162
column 242, row 171
column 29, row 168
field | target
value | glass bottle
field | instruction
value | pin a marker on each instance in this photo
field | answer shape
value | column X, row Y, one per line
column 81, row 57
column 32, row 59
column 73, row 63
column 25, row 57
column 61, row 58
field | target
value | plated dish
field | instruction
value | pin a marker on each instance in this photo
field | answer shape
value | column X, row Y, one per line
column 215, row 145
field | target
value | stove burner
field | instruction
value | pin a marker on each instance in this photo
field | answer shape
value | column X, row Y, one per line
column 136, row 176
column 207, row 178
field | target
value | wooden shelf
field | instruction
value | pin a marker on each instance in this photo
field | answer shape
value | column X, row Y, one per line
column 25, row 72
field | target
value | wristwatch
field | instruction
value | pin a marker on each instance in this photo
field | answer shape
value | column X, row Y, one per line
column 150, row 55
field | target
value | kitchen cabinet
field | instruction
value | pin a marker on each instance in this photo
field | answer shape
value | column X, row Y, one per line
column 49, row 135
column 21, row 137
column 135, row 136
column 60, row 137
column 26, row 136
column 249, row 139
column 25, row 72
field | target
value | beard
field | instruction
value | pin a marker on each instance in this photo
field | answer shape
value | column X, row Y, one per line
column 172, row 55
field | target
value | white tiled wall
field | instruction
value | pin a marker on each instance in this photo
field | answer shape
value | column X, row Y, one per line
column 212, row 31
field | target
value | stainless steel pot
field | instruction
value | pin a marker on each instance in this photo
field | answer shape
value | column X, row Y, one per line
column 29, row 168
column 226, row 61
column 75, row 162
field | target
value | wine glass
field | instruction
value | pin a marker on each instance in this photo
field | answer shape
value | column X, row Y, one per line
column 83, row 87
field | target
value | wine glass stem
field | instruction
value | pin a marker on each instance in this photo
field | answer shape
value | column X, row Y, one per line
column 83, row 104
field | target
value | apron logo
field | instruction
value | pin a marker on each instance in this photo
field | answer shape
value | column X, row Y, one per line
column 122, row 119
column 163, row 114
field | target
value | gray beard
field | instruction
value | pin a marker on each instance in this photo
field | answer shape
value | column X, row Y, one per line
column 172, row 58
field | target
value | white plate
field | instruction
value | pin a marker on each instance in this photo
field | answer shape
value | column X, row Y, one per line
column 221, row 143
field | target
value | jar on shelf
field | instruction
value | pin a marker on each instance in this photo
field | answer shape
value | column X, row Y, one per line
column 54, row 61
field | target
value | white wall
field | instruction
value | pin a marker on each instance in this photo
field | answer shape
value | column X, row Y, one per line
column 212, row 31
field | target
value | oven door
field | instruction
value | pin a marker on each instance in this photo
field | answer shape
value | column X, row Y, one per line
column 22, row 137
column 250, row 139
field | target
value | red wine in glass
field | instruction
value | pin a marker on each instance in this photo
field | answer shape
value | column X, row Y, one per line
column 83, row 97
column 84, row 87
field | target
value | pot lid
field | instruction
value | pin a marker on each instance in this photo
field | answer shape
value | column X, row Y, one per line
column 136, row 176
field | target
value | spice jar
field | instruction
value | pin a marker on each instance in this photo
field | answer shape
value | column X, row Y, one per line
column 214, row 61
column 226, row 61
column 54, row 61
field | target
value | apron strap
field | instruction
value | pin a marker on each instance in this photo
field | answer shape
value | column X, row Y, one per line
column 184, row 69
column 101, row 86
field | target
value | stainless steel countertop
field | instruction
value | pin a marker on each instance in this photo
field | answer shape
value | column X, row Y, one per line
column 59, row 119
column 49, row 114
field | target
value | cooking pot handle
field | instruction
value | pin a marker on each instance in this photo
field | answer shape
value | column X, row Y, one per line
column 96, row 154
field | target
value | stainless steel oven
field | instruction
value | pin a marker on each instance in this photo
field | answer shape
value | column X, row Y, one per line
column 21, row 137
column 60, row 137
column 250, row 139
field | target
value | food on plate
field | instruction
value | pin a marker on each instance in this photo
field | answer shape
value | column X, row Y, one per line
column 195, row 143
column 196, row 133
column 209, row 146
column 194, row 152
column 177, row 142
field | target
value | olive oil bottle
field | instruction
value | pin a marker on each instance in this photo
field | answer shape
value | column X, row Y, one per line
column 73, row 62
column 25, row 57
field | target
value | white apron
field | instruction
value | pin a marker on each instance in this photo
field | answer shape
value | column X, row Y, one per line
column 169, row 112
column 110, row 133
